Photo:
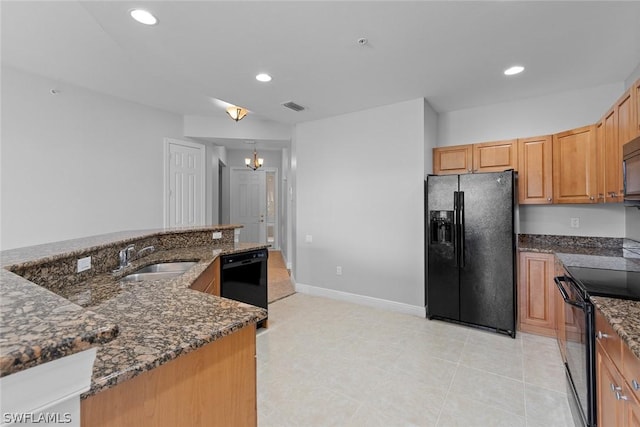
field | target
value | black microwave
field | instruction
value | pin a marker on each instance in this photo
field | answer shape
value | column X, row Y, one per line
column 631, row 172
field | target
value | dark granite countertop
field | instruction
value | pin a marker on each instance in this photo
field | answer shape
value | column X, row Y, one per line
column 136, row 325
column 624, row 316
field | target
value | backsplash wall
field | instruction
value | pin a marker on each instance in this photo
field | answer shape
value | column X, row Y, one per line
column 606, row 220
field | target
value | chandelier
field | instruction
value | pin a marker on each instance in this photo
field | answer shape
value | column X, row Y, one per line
column 236, row 113
column 255, row 163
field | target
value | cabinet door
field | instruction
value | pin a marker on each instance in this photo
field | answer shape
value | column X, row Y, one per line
column 453, row 160
column 535, row 178
column 536, row 293
column 574, row 166
column 611, row 409
column 626, row 119
column 611, row 157
column 495, row 156
column 633, row 412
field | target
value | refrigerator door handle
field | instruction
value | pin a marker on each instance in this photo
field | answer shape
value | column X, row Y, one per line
column 461, row 220
column 456, row 223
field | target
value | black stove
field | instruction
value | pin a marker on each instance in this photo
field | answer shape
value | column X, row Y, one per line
column 607, row 283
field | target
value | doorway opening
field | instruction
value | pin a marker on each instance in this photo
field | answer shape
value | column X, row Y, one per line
column 254, row 204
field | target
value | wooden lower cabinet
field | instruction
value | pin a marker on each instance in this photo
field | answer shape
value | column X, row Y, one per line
column 611, row 412
column 212, row 386
column 536, row 293
column 617, row 373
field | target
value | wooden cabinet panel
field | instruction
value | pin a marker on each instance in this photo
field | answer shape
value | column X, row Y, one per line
column 617, row 373
column 495, row 156
column 608, row 339
column 631, row 371
column 214, row 385
column 574, row 166
column 453, row 160
column 536, row 293
column 626, row 119
column 209, row 280
column 611, row 158
column 535, row 177
column 611, row 412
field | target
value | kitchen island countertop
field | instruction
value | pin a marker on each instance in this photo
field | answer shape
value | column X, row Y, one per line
column 136, row 325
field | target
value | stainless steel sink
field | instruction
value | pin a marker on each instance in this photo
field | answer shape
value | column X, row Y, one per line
column 165, row 270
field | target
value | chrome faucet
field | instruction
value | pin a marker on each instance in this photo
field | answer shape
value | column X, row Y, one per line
column 124, row 256
column 145, row 249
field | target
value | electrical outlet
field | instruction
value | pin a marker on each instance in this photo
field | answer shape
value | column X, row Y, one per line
column 339, row 270
column 217, row 235
column 308, row 238
column 84, row 264
column 575, row 222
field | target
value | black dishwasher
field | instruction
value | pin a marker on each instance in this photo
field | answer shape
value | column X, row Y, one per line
column 243, row 277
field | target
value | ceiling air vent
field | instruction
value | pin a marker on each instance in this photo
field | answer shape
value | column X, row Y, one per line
column 293, row 106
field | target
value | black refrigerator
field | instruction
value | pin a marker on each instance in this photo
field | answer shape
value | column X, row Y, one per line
column 470, row 250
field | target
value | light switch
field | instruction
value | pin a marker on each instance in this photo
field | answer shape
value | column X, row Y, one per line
column 217, row 235
column 308, row 238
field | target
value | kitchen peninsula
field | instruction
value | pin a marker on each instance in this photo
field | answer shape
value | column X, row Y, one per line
column 164, row 351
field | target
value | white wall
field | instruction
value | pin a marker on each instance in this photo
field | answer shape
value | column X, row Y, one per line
column 359, row 194
column 430, row 136
column 527, row 117
column 77, row 163
column 542, row 116
column 635, row 75
column 251, row 127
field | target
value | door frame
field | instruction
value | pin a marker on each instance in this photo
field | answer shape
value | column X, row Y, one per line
column 276, row 243
column 167, row 183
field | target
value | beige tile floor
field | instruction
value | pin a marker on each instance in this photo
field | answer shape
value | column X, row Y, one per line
column 329, row 363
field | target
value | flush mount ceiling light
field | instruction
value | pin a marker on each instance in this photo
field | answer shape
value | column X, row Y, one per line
column 143, row 16
column 263, row 77
column 511, row 71
column 255, row 163
column 236, row 113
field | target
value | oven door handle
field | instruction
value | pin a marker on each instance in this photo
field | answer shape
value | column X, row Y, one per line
column 563, row 292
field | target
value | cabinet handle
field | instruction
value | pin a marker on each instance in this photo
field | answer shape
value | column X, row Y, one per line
column 602, row 335
column 591, row 198
column 615, row 387
column 635, row 384
column 620, row 396
column 600, row 196
column 548, row 199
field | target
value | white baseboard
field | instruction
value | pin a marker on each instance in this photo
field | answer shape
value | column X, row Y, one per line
column 383, row 304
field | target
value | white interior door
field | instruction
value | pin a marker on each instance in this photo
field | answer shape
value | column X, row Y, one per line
column 184, row 198
column 249, row 203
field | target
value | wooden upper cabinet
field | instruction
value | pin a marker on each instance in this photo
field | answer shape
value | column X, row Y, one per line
column 495, row 156
column 452, row 160
column 611, row 157
column 574, row 166
column 535, row 177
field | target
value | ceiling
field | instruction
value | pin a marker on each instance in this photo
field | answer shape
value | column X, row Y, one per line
column 451, row 53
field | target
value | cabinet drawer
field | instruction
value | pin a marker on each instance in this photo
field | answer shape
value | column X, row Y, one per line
column 608, row 339
column 631, row 370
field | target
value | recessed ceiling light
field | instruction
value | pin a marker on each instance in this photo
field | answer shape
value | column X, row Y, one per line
column 516, row 69
column 143, row 16
column 263, row 77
